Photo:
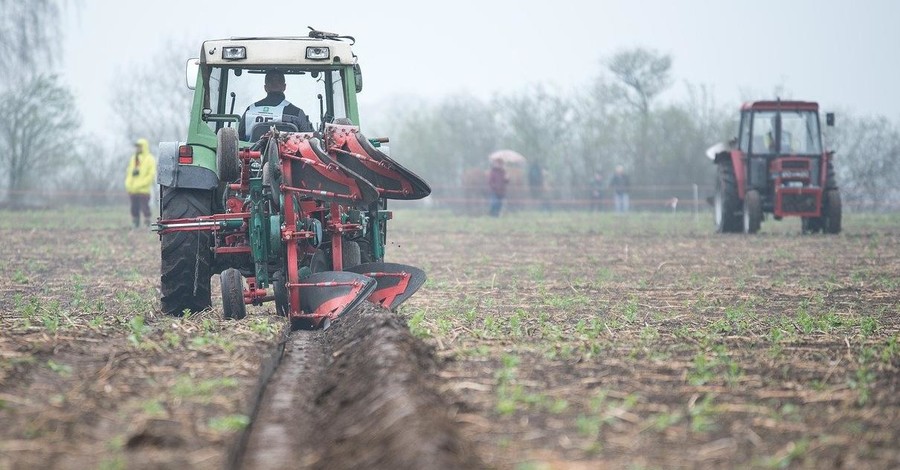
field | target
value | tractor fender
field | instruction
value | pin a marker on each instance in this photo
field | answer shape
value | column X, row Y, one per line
column 170, row 173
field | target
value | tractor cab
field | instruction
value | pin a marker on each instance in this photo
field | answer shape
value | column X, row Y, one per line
column 320, row 78
column 778, row 166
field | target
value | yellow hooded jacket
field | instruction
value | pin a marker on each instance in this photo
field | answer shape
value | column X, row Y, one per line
column 139, row 182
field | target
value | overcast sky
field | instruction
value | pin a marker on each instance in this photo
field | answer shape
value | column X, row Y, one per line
column 843, row 54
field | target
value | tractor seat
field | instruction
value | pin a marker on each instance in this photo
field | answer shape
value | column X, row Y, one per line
column 260, row 128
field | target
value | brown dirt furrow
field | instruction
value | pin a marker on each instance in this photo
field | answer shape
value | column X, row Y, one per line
column 360, row 395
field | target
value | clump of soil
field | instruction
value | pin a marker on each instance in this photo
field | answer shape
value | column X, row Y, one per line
column 361, row 394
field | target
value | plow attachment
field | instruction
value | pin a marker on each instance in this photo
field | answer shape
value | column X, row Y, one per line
column 326, row 296
column 315, row 175
column 357, row 153
column 396, row 282
column 295, row 205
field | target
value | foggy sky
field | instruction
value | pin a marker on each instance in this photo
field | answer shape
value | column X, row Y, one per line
column 840, row 53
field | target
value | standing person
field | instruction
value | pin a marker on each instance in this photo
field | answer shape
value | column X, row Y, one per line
column 537, row 185
column 619, row 184
column 497, row 182
column 138, row 180
column 597, row 192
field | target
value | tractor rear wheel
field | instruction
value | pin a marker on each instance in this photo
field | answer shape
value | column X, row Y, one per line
column 726, row 200
column 227, row 162
column 752, row 211
column 832, row 210
column 233, row 305
column 186, row 256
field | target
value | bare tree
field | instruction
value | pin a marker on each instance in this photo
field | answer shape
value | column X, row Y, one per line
column 151, row 98
column 644, row 73
column 30, row 32
column 37, row 133
column 867, row 150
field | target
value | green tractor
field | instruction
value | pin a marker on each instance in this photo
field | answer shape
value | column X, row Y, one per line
column 284, row 209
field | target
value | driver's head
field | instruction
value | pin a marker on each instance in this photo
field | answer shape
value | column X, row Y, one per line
column 275, row 82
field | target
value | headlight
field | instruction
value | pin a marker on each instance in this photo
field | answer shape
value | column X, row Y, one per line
column 234, row 53
column 317, row 53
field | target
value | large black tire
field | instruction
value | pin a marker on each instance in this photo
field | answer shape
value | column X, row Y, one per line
column 228, row 165
column 282, row 301
column 832, row 212
column 186, row 256
column 233, row 306
column 830, row 177
column 726, row 202
column 752, row 211
column 319, row 262
column 350, row 254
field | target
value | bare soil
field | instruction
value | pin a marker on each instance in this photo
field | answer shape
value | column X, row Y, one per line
column 93, row 376
column 359, row 395
column 650, row 342
column 539, row 341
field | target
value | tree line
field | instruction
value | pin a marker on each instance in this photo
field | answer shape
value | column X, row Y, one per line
column 619, row 117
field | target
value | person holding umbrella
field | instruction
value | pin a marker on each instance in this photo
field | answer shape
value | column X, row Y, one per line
column 497, row 182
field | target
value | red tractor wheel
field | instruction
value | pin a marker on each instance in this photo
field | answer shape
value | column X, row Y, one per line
column 752, row 211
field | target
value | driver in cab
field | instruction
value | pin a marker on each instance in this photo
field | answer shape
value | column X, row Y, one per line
column 274, row 107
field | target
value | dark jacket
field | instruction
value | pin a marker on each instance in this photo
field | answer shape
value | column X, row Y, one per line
column 291, row 114
column 497, row 181
column 619, row 183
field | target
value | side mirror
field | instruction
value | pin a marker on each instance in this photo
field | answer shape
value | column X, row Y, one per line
column 829, row 119
column 357, row 77
column 190, row 72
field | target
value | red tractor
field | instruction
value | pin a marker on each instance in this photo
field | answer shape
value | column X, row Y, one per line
column 777, row 165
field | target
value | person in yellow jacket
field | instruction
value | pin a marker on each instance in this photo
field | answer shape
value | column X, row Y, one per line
column 138, row 180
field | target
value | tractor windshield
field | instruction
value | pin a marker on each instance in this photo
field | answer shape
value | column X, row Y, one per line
column 232, row 91
column 799, row 133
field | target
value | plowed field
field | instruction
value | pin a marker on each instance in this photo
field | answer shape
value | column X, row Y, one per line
column 539, row 341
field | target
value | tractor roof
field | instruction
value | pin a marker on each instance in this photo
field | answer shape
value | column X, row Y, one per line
column 299, row 50
column 782, row 105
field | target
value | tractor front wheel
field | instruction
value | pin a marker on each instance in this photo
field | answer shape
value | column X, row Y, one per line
column 832, row 211
column 726, row 200
column 186, row 256
column 752, row 211
column 233, row 305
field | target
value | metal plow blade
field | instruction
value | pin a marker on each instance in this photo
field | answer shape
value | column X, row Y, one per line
column 396, row 282
column 327, row 295
column 315, row 175
column 391, row 178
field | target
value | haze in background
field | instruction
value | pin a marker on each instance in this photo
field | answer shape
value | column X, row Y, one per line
column 840, row 53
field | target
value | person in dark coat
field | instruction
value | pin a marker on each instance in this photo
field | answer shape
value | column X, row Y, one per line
column 619, row 184
column 497, row 182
